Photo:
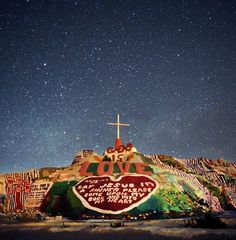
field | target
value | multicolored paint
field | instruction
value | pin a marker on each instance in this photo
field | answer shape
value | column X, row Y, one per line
column 82, row 154
column 37, row 194
column 18, row 186
column 105, row 186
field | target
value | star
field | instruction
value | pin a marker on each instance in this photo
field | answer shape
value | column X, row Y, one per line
column 168, row 68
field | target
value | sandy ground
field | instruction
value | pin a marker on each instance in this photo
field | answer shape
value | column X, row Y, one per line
column 96, row 230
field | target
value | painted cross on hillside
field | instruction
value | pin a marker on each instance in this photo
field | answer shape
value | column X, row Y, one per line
column 118, row 124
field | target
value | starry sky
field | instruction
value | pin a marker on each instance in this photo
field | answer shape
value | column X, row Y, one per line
column 68, row 67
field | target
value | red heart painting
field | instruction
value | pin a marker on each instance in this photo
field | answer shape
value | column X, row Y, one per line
column 106, row 194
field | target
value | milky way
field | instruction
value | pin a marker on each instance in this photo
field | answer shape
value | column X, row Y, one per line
column 68, row 67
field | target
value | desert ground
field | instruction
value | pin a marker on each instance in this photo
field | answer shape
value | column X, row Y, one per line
column 58, row 229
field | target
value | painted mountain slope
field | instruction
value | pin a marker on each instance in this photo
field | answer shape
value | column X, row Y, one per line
column 185, row 187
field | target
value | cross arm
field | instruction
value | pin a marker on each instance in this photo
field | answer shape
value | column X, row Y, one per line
column 113, row 124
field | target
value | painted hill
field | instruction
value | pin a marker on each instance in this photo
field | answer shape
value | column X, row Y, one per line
column 136, row 186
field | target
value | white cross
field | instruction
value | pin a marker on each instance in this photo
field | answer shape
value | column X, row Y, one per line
column 118, row 124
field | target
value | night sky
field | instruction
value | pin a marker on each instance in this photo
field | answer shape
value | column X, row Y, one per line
column 68, row 67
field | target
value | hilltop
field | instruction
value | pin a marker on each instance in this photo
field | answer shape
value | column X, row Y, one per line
column 136, row 186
